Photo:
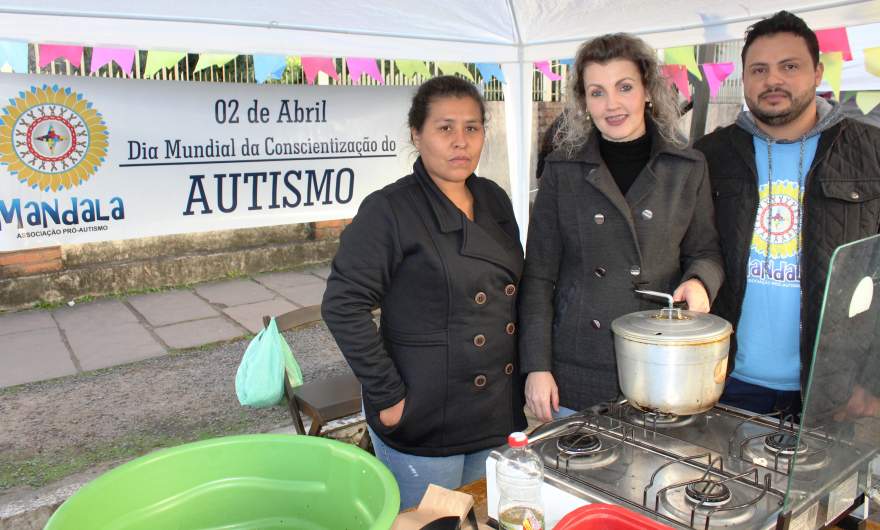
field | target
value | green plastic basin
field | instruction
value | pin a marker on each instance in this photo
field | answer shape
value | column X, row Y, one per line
column 261, row 481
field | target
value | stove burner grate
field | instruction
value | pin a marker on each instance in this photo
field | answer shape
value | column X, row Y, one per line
column 708, row 493
column 579, row 444
column 784, row 444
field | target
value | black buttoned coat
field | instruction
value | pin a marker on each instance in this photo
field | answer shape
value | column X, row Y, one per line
column 589, row 247
column 447, row 288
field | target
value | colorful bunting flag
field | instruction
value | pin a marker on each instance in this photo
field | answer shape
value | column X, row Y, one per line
column 544, row 68
column 124, row 57
column 208, row 60
column 15, row 54
column 312, row 65
column 833, row 62
column 50, row 52
column 357, row 66
column 867, row 101
column 266, row 66
column 452, row 68
column 683, row 55
column 716, row 73
column 410, row 68
column 834, row 40
column 872, row 60
column 159, row 60
column 489, row 70
column 677, row 74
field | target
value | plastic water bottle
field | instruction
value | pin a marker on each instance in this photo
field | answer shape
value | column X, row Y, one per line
column 520, row 473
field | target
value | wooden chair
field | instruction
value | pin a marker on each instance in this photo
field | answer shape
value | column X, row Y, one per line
column 322, row 401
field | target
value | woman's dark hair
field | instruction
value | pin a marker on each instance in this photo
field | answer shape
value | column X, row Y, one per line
column 782, row 22
column 576, row 124
column 442, row 87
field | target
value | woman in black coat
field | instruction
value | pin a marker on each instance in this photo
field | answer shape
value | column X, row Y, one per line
column 623, row 205
column 438, row 251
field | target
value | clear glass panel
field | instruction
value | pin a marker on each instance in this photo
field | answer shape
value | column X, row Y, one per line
column 830, row 459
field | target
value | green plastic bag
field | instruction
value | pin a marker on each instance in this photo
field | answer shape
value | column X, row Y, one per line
column 294, row 374
column 259, row 381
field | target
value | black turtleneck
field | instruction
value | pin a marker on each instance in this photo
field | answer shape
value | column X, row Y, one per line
column 625, row 160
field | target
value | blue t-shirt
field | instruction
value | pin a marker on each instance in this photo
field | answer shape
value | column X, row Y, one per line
column 768, row 334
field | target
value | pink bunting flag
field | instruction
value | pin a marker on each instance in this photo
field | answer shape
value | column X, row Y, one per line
column 677, row 74
column 50, row 52
column 124, row 57
column 358, row 66
column 544, row 68
column 834, row 40
column 312, row 65
column 715, row 74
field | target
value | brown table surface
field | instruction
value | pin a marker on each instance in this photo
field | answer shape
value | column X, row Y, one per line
column 478, row 491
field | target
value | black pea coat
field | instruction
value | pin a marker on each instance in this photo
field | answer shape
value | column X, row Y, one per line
column 447, row 288
column 589, row 247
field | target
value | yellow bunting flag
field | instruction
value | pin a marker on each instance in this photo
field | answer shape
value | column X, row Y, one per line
column 683, row 55
column 872, row 60
column 207, row 60
column 159, row 60
column 833, row 62
column 867, row 101
column 411, row 68
column 451, row 68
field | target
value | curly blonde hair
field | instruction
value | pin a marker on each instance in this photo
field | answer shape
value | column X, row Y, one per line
column 576, row 125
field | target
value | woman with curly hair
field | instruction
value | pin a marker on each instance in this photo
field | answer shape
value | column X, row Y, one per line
column 623, row 205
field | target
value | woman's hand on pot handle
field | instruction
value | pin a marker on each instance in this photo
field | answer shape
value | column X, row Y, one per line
column 694, row 293
column 542, row 395
column 391, row 416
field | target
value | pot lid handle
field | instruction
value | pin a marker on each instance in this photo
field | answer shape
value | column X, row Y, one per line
column 659, row 295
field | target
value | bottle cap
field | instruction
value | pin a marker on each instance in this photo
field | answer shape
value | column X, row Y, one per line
column 517, row 439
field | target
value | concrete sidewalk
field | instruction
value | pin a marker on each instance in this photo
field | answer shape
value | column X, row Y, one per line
column 37, row 345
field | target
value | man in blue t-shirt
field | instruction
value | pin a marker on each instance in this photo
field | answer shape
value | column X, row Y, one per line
column 776, row 216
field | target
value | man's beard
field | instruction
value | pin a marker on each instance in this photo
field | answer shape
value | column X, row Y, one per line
column 798, row 105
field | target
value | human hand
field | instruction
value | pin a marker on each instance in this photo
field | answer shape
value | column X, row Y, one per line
column 861, row 404
column 542, row 394
column 694, row 293
column 391, row 416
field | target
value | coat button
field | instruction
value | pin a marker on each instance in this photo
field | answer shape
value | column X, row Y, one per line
column 480, row 298
column 510, row 328
column 597, row 324
column 479, row 340
column 647, row 215
column 508, row 368
column 510, row 290
column 599, row 218
column 635, row 270
column 480, row 381
column 854, row 195
column 599, row 272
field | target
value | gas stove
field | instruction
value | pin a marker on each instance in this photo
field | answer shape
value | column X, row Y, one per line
column 725, row 468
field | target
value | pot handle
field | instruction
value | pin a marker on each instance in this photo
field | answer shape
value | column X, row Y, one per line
column 658, row 294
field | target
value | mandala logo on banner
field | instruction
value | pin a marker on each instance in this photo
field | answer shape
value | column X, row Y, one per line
column 52, row 138
column 777, row 220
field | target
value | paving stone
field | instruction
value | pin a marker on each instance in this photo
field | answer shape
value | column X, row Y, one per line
column 304, row 295
column 161, row 309
column 104, row 313
column 322, row 272
column 25, row 321
column 99, row 345
column 234, row 292
column 199, row 332
column 251, row 315
column 33, row 355
column 286, row 280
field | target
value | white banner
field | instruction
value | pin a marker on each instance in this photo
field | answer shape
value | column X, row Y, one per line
column 89, row 159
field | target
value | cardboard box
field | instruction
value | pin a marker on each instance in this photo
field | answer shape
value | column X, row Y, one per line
column 438, row 503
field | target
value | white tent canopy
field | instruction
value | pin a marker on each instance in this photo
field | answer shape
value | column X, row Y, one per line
column 511, row 32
